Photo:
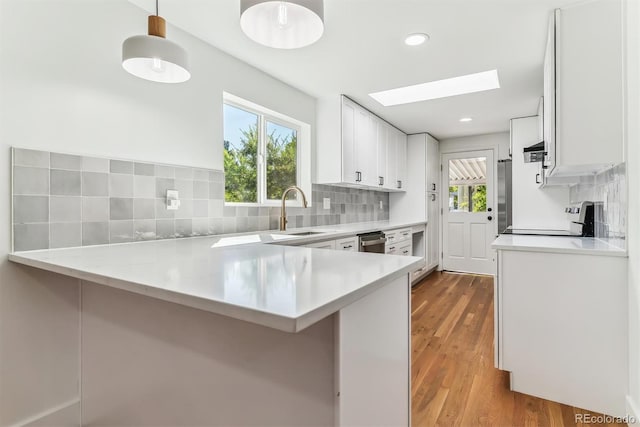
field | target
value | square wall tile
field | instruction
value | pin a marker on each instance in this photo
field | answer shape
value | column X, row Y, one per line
column 144, row 186
column 30, row 237
column 33, row 181
column 146, row 169
column 162, row 185
column 216, row 191
column 95, row 209
column 65, row 183
column 95, row 164
column 200, row 189
column 120, row 231
column 201, row 175
column 65, row 209
column 164, row 171
column 120, row 185
column 35, row 158
column 120, row 166
column 95, row 184
column 216, row 208
column 165, row 229
column 184, row 227
column 201, row 208
column 66, row 162
column 144, row 208
column 200, row 226
column 185, row 188
column 95, row 233
column 161, row 210
column 144, row 229
column 65, row 235
column 185, row 210
column 28, row 209
column 184, row 173
column 120, row 209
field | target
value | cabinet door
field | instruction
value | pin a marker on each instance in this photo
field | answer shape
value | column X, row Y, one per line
column 401, row 160
column 392, row 165
column 366, row 147
column 349, row 244
column 349, row 165
column 433, row 165
column 432, row 230
column 549, row 98
column 383, row 137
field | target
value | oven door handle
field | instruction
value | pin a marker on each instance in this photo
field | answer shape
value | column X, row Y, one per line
column 373, row 242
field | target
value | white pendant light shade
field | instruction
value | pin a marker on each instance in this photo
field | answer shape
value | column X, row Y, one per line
column 153, row 57
column 282, row 24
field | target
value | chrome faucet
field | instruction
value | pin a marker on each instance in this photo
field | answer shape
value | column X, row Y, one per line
column 283, row 210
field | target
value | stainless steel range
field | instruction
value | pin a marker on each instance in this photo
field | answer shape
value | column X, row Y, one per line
column 581, row 223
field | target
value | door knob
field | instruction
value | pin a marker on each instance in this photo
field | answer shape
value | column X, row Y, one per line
column 489, row 217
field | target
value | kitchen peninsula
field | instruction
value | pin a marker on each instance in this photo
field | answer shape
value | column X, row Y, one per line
column 180, row 332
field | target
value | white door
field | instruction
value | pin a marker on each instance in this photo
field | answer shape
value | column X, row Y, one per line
column 468, row 216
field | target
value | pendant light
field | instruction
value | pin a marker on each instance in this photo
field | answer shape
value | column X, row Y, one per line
column 153, row 57
column 282, row 24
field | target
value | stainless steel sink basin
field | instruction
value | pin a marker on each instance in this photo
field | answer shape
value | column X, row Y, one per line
column 307, row 233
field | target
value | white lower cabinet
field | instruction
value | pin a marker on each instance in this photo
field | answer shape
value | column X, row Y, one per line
column 399, row 242
column 350, row 244
column 560, row 327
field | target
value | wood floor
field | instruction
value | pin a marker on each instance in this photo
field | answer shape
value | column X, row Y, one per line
column 454, row 382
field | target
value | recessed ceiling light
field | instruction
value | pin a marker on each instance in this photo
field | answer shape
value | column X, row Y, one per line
column 466, row 119
column 470, row 83
column 416, row 39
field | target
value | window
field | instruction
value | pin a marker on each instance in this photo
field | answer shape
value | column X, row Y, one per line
column 468, row 185
column 263, row 153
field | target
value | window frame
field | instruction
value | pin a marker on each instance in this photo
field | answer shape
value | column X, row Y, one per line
column 265, row 116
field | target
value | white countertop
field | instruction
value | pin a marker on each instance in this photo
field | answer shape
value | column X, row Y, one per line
column 555, row 244
column 283, row 287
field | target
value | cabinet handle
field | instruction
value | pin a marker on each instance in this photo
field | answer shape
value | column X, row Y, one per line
column 381, row 180
column 433, row 197
column 405, row 252
column 392, row 248
column 347, row 247
column 433, row 187
column 537, row 179
column 358, row 176
column 399, row 184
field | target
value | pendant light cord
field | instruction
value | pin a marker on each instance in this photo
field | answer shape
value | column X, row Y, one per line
column 157, row 14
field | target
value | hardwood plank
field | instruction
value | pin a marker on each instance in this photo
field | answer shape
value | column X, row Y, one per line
column 454, row 382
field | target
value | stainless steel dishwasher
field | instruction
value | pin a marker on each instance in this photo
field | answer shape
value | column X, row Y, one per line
column 372, row 242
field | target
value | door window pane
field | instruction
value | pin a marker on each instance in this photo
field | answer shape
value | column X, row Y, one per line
column 240, row 155
column 282, row 155
column 468, row 185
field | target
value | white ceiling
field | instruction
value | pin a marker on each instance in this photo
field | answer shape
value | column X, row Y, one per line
column 362, row 51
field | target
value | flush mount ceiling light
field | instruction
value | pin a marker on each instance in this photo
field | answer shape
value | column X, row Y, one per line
column 416, row 39
column 282, row 24
column 153, row 57
column 466, row 119
column 470, row 83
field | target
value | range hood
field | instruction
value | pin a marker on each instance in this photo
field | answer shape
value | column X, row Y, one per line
column 534, row 153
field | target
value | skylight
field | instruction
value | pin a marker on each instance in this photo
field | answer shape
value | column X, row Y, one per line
column 470, row 83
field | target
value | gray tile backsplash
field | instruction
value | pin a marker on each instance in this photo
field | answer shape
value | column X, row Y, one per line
column 608, row 190
column 62, row 200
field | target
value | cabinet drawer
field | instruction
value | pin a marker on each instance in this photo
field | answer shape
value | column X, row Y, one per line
column 404, row 234
column 391, row 248
column 405, row 249
column 392, row 236
column 350, row 244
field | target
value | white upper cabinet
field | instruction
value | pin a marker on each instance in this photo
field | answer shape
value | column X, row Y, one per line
column 586, row 75
column 357, row 148
column 433, row 164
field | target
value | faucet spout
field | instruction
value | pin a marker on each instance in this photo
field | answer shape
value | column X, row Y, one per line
column 283, row 208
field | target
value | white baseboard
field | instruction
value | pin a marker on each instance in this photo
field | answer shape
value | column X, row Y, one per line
column 632, row 412
column 63, row 414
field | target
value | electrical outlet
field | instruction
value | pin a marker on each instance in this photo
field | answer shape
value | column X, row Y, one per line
column 326, row 203
column 381, row 205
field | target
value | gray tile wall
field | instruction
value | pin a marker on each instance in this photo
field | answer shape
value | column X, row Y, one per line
column 62, row 200
column 608, row 190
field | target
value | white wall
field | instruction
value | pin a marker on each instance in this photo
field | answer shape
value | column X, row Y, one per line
column 499, row 142
column 62, row 88
column 633, row 170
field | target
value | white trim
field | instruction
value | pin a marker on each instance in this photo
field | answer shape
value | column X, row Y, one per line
column 44, row 414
